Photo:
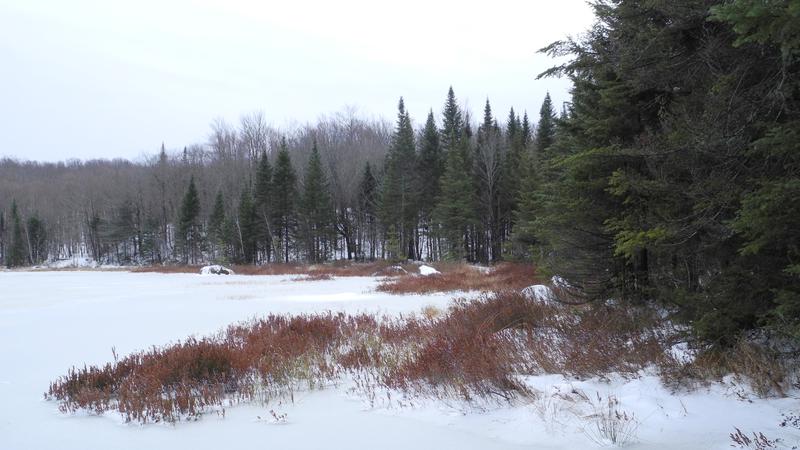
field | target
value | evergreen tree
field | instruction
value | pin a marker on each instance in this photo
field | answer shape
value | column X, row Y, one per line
column 16, row 247
column 430, row 168
column 546, row 129
column 671, row 177
column 536, row 165
column 263, row 199
column 399, row 194
column 512, row 173
column 284, row 194
column 367, row 213
column 528, row 199
column 526, row 131
column 452, row 123
column 316, row 210
column 455, row 206
column 189, row 235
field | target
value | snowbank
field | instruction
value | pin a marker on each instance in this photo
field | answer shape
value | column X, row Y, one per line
column 216, row 270
column 427, row 271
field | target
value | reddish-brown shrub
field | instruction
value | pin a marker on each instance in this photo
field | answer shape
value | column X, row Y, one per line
column 478, row 349
column 461, row 277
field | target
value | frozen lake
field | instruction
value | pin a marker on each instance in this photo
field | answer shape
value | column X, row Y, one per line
column 50, row 321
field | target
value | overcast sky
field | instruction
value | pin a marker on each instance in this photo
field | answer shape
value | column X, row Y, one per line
column 89, row 79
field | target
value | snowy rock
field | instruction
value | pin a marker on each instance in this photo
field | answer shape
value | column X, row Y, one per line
column 427, row 271
column 560, row 282
column 216, row 270
column 539, row 292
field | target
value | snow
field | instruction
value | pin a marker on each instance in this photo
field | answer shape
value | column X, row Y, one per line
column 427, row 271
column 50, row 321
column 216, row 270
column 78, row 261
column 539, row 292
column 560, row 282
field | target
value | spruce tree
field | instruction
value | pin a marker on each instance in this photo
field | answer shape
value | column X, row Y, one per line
column 316, row 210
column 430, row 168
column 452, row 123
column 528, row 199
column 263, row 206
column 546, row 129
column 399, row 194
column 368, row 214
column 455, row 206
column 188, row 226
column 284, row 194
column 512, row 172
column 526, row 130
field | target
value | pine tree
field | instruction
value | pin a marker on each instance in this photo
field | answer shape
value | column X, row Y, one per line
column 316, row 210
column 546, row 129
column 367, row 213
column 188, row 226
column 263, row 206
column 399, row 194
column 512, row 172
column 284, row 194
column 526, row 130
column 536, row 166
column 528, row 200
column 452, row 123
column 430, row 168
column 17, row 247
column 455, row 206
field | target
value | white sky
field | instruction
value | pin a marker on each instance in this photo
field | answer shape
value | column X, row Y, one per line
column 88, row 79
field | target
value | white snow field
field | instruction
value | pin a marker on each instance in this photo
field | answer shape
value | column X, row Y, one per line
column 50, row 321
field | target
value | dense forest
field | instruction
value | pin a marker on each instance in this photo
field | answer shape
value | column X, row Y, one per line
column 671, row 178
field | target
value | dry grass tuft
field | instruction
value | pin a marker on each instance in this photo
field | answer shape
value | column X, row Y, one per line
column 766, row 371
column 461, row 277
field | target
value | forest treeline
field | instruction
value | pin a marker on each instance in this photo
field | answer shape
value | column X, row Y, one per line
column 671, row 178
column 343, row 188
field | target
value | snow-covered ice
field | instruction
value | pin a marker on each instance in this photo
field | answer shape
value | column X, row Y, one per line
column 50, row 321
